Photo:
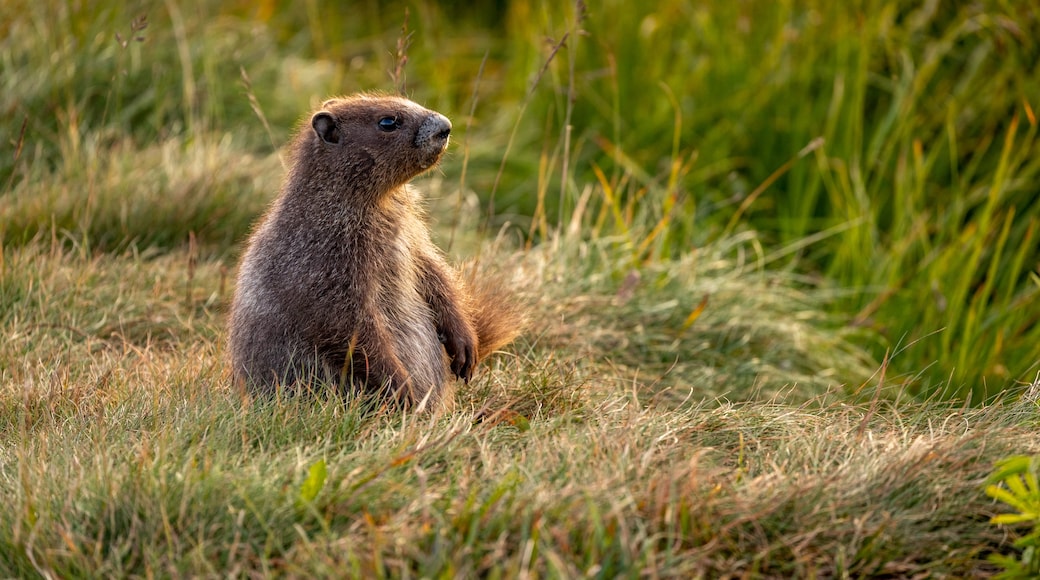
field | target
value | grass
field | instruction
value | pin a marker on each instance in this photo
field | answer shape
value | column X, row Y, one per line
column 804, row 122
column 126, row 451
column 783, row 298
column 115, row 195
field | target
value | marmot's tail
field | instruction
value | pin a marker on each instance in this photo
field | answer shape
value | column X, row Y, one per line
column 498, row 314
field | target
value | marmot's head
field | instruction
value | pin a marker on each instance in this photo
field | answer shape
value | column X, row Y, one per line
column 378, row 142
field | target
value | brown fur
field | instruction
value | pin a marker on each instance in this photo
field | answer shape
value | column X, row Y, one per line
column 340, row 281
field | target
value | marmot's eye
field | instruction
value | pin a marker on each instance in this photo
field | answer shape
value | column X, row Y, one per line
column 389, row 124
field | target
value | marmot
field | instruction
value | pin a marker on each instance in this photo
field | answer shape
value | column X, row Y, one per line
column 340, row 281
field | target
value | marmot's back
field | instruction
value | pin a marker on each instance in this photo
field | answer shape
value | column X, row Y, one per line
column 340, row 281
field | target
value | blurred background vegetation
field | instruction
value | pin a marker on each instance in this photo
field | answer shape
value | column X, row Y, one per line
column 886, row 149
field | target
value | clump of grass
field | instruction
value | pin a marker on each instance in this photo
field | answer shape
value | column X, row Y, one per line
column 714, row 323
column 797, row 121
column 114, row 195
column 1014, row 482
column 62, row 307
column 137, row 75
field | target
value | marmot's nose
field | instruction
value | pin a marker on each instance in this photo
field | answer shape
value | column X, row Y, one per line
column 433, row 132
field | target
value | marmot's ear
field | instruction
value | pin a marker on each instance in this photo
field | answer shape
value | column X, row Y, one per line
column 325, row 126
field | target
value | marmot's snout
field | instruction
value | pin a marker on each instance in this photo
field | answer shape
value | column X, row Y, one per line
column 433, row 133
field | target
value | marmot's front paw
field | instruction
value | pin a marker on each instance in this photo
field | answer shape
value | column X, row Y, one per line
column 462, row 350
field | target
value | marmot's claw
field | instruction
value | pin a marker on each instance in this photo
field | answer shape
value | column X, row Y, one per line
column 463, row 357
column 471, row 362
column 468, row 365
column 462, row 367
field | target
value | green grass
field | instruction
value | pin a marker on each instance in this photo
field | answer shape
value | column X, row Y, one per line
column 781, row 261
column 901, row 138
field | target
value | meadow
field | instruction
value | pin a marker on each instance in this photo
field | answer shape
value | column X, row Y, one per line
column 780, row 260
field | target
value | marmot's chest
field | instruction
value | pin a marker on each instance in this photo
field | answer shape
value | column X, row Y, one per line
column 391, row 247
column 398, row 277
column 403, row 307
